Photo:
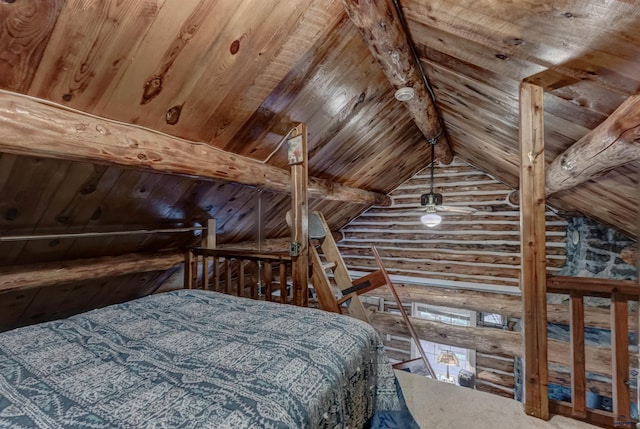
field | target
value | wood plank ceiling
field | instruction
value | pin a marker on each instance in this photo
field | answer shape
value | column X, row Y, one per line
column 238, row 74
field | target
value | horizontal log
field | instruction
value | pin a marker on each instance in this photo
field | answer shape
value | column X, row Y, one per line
column 593, row 286
column 594, row 386
column 504, row 380
column 52, row 273
column 614, row 142
column 32, row 128
column 491, row 302
column 483, row 386
column 282, row 244
column 488, row 340
column 506, row 305
column 382, row 31
column 400, row 266
column 492, row 362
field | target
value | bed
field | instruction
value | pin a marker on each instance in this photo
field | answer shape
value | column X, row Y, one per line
column 198, row 359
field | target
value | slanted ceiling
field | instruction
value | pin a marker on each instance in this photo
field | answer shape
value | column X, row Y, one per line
column 238, row 74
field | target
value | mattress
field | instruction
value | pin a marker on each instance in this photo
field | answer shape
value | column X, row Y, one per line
column 198, row 359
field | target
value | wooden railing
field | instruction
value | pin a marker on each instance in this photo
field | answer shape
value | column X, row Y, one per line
column 257, row 275
column 620, row 292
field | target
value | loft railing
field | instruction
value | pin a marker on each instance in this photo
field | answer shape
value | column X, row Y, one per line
column 257, row 275
column 620, row 292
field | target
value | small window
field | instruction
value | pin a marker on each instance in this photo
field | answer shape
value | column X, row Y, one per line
column 491, row 320
column 434, row 351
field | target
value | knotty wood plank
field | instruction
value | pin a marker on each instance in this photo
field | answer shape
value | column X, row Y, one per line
column 25, row 28
column 533, row 274
column 166, row 58
column 89, row 49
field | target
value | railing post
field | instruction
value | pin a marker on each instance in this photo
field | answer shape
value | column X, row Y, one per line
column 532, row 233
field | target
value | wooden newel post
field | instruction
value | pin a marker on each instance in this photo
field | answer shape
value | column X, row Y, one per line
column 298, row 160
column 532, row 232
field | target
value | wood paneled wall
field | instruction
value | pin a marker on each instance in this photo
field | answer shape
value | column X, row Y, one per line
column 476, row 251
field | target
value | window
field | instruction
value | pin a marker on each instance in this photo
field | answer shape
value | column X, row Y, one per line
column 466, row 357
column 491, row 320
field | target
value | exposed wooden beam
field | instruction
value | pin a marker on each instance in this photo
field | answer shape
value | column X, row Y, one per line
column 52, row 273
column 32, row 128
column 614, row 142
column 382, row 31
column 533, row 280
column 299, row 164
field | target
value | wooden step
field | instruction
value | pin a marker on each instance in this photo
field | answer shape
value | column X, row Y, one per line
column 328, row 265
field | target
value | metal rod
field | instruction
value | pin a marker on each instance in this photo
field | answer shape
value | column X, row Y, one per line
column 96, row 234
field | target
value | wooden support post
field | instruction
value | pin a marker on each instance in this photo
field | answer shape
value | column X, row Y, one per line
column 209, row 240
column 298, row 160
column 620, row 360
column 578, row 370
column 532, row 230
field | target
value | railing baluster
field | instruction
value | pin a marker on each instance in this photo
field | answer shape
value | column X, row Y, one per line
column 267, row 280
column 620, row 359
column 578, row 372
column 240, row 291
column 188, row 269
column 227, row 271
column 205, row 272
column 283, row 282
column 253, row 279
column 216, row 274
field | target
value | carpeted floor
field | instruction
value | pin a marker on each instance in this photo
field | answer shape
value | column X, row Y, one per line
column 443, row 406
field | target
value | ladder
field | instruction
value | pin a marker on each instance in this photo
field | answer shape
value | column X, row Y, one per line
column 349, row 289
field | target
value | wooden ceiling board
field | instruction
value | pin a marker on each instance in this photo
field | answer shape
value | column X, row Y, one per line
column 238, row 74
column 310, row 29
column 240, row 52
column 89, row 47
column 25, row 28
column 550, row 40
column 276, row 115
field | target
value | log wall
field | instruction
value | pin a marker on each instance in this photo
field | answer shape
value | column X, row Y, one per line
column 477, row 251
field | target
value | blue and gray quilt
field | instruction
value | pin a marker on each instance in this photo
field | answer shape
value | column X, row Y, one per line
column 195, row 359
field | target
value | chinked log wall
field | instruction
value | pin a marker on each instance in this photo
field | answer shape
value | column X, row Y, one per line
column 476, row 251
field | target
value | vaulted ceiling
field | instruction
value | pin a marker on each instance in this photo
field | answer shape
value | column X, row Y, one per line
column 239, row 74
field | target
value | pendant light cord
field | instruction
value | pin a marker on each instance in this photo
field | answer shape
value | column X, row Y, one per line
column 432, row 161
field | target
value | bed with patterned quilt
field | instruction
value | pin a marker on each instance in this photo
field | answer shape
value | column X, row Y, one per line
column 198, row 359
